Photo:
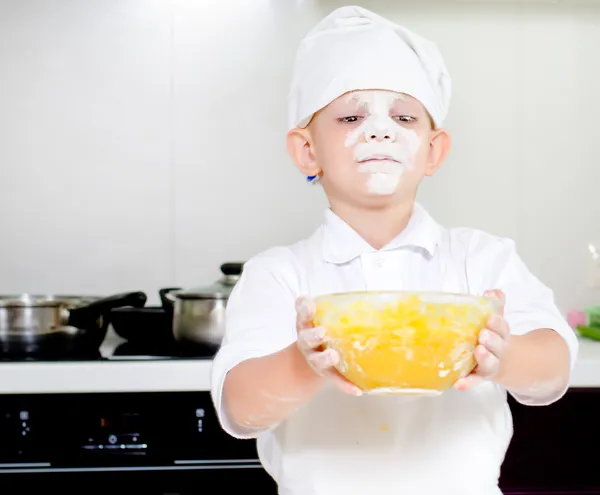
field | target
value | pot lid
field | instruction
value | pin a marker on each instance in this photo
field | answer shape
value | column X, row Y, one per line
column 221, row 289
column 42, row 300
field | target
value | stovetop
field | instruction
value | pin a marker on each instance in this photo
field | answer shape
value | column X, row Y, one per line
column 115, row 348
column 125, row 350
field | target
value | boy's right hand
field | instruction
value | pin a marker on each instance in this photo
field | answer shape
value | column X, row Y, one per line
column 310, row 342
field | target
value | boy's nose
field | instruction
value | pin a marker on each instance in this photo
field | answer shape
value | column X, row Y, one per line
column 376, row 133
column 378, row 137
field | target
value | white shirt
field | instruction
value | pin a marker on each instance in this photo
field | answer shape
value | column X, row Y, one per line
column 453, row 443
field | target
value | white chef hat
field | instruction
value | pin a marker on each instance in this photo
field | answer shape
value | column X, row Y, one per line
column 352, row 49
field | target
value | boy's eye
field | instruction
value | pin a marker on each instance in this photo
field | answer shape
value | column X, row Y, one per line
column 404, row 118
column 350, row 120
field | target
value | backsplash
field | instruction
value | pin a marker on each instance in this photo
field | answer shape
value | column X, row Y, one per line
column 142, row 142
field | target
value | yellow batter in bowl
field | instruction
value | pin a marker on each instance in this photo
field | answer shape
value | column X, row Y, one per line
column 403, row 342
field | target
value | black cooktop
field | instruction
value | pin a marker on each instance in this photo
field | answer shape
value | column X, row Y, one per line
column 114, row 348
column 161, row 350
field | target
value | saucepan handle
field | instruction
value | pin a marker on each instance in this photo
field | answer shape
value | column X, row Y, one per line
column 166, row 301
column 82, row 316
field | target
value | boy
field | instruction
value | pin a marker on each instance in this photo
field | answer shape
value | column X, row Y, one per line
column 367, row 104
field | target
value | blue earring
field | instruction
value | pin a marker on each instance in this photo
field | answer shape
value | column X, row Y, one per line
column 311, row 178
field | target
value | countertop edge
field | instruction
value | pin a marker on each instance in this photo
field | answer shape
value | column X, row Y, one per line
column 176, row 375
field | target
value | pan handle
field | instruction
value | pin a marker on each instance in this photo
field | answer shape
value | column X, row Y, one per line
column 167, row 303
column 82, row 316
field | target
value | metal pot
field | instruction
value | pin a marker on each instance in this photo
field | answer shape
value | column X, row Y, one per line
column 31, row 323
column 199, row 314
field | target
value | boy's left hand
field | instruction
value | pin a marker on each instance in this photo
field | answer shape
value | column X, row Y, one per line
column 493, row 342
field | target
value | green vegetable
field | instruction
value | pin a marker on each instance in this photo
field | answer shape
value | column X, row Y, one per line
column 589, row 332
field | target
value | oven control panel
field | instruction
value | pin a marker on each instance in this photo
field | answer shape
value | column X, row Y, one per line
column 96, row 430
column 117, row 432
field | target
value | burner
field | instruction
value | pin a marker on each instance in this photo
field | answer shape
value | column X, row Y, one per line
column 52, row 347
column 43, row 353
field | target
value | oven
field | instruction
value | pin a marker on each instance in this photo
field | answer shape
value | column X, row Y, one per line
column 155, row 443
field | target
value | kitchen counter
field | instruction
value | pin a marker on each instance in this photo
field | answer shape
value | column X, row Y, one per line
column 173, row 375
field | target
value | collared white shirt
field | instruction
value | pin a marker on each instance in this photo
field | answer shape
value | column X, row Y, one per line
column 452, row 443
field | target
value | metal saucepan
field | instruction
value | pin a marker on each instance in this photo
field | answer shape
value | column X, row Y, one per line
column 199, row 314
column 29, row 323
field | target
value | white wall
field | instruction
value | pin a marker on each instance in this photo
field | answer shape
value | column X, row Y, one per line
column 142, row 141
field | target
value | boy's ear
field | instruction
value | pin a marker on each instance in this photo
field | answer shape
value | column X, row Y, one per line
column 439, row 147
column 301, row 150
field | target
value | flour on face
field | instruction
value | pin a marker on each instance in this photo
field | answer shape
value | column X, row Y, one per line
column 388, row 148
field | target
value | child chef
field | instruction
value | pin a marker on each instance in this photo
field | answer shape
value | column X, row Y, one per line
column 366, row 108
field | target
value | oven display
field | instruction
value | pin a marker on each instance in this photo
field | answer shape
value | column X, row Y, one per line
column 117, row 433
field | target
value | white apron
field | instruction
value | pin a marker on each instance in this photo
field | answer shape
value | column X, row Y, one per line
column 385, row 445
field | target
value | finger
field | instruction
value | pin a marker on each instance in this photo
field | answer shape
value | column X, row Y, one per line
column 468, row 382
column 499, row 325
column 344, row 385
column 487, row 363
column 499, row 296
column 321, row 361
column 493, row 342
column 311, row 338
column 305, row 311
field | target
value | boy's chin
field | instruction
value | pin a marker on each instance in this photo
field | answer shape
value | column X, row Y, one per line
column 383, row 184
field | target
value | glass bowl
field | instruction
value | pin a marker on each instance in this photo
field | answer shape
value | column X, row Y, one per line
column 403, row 343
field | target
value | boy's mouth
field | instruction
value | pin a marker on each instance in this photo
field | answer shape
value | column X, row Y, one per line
column 384, row 154
column 381, row 164
column 379, row 159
